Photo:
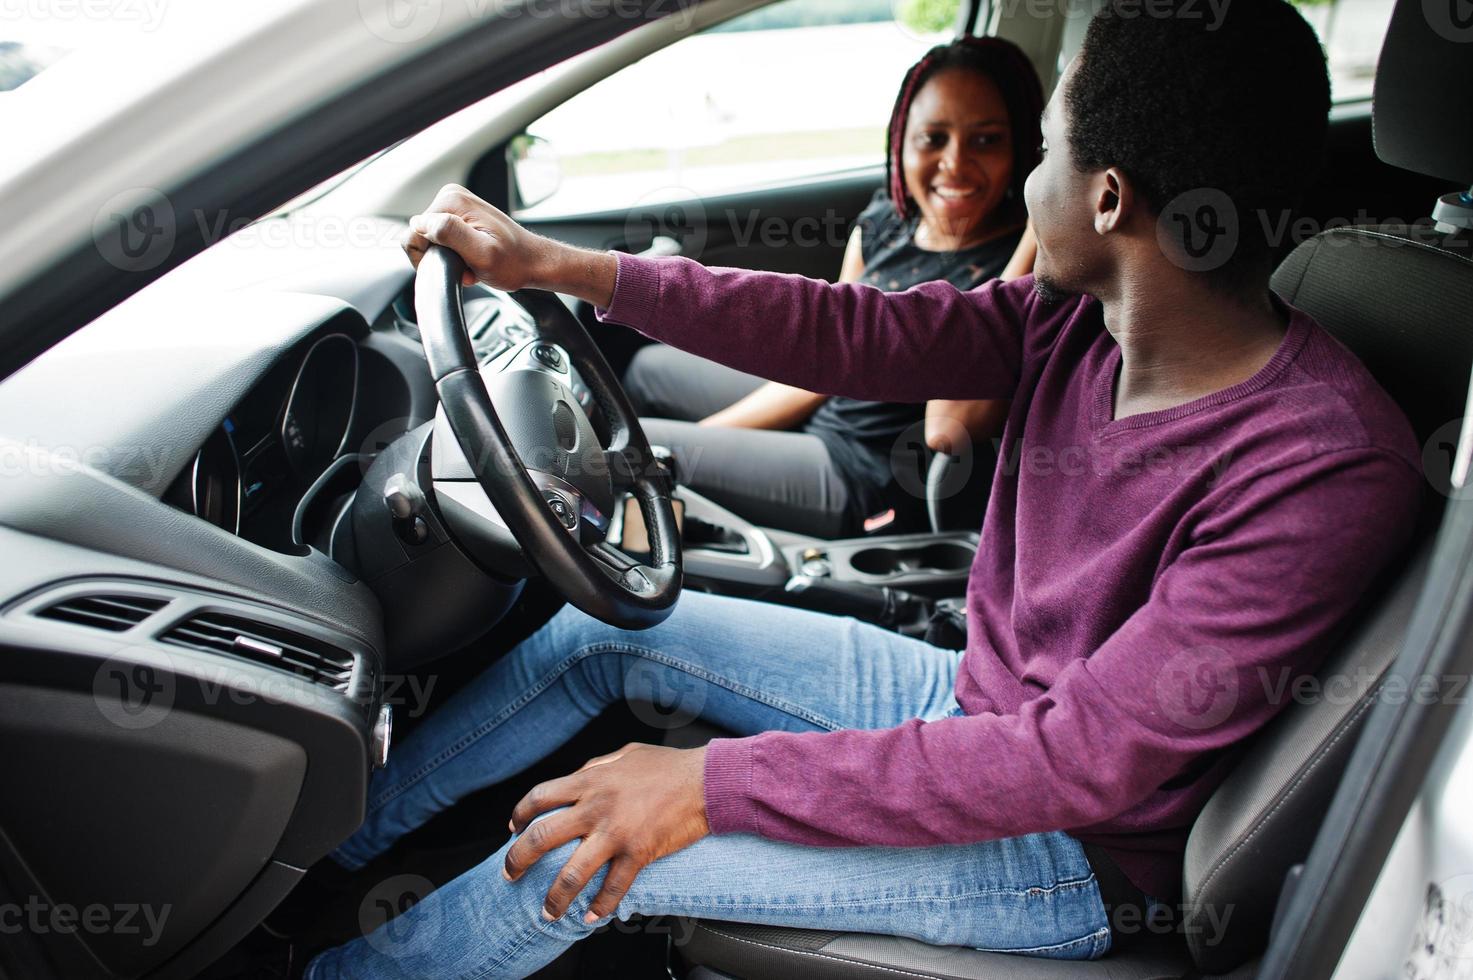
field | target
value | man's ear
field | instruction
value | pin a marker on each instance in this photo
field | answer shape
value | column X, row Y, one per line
column 1113, row 202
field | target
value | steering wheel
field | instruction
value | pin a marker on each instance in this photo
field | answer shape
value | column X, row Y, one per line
column 521, row 408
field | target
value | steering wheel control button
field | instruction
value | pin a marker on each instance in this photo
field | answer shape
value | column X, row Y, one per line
column 562, row 508
column 406, row 504
column 549, row 356
column 403, row 497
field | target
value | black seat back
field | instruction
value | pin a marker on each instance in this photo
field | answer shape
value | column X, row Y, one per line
column 1400, row 299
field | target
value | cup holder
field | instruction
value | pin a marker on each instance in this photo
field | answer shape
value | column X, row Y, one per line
column 944, row 556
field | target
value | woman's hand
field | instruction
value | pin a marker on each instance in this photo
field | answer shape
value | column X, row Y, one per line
column 630, row 807
column 503, row 254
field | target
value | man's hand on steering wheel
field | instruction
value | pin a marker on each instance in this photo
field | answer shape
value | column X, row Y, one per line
column 555, row 514
column 503, row 254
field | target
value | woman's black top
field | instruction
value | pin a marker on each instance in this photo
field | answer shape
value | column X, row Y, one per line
column 860, row 435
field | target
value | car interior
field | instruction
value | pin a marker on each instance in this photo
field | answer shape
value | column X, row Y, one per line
column 236, row 574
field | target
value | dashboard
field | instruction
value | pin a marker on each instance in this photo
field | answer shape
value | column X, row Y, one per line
column 166, row 643
column 250, row 475
column 183, row 632
column 281, row 468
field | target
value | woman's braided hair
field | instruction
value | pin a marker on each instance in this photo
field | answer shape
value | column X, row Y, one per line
column 1016, row 80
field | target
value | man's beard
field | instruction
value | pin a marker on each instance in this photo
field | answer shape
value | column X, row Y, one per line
column 1048, row 291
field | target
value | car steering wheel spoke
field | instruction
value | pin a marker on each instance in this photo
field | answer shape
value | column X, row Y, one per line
column 624, row 569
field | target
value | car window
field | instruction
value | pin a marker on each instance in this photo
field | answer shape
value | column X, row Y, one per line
column 1351, row 32
column 792, row 90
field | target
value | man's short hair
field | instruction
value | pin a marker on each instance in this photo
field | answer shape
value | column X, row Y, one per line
column 1200, row 103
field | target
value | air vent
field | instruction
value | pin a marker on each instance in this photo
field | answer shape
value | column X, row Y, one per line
column 114, row 613
column 312, row 659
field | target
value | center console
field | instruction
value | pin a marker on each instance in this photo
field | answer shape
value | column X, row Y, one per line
column 893, row 580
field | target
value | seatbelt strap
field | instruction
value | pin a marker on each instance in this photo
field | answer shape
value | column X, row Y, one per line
column 1116, row 890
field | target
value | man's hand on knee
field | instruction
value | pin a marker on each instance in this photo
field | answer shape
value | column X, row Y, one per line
column 630, row 808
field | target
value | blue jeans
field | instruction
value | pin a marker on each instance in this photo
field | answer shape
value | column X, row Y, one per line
column 748, row 668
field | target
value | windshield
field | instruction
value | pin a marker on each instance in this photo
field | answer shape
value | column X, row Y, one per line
column 92, row 38
column 37, row 34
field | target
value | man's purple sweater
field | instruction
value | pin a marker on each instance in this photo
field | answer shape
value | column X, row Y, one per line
column 1145, row 588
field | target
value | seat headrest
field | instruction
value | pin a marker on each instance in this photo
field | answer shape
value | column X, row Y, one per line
column 1424, row 90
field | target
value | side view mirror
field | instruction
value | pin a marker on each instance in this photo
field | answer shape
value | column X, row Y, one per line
column 536, row 172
